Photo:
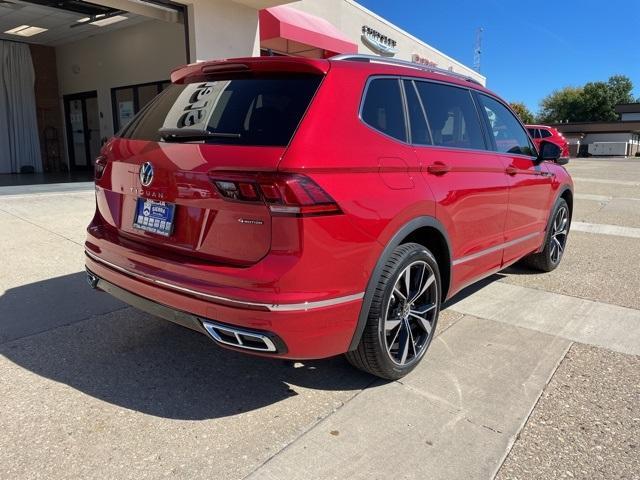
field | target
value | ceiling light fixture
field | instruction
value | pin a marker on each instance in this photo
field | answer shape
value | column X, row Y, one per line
column 26, row 31
column 152, row 4
column 109, row 20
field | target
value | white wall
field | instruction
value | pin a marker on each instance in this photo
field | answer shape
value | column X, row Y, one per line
column 607, row 137
column 222, row 29
column 349, row 17
column 146, row 52
column 630, row 117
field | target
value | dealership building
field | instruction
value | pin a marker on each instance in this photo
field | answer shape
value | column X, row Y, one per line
column 73, row 72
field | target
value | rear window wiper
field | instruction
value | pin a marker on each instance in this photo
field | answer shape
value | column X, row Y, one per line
column 177, row 134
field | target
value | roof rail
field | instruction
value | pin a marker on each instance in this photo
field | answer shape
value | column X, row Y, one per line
column 402, row 63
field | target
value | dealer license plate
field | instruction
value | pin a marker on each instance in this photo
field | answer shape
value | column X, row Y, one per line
column 153, row 216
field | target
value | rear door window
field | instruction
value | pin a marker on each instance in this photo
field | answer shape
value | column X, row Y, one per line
column 452, row 116
column 417, row 119
column 246, row 111
column 508, row 133
column 545, row 133
column 382, row 108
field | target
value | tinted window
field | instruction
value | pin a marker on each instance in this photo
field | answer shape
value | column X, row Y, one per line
column 249, row 111
column 545, row 133
column 534, row 132
column 452, row 116
column 509, row 135
column 417, row 120
column 382, row 108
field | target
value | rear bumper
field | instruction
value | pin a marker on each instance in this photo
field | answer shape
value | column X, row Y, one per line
column 298, row 331
column 225, row 335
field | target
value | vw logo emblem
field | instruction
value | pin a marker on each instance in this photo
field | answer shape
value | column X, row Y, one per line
column 146, row 174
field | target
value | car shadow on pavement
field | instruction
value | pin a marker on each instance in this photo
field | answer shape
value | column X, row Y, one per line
column 515, row 269
column 520, row 270
column 134, row 360
column 471, row 289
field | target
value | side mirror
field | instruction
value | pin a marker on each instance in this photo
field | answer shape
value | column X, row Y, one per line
column 550, row 152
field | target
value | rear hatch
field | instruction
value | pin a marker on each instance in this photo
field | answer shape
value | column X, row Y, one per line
column 173, row 178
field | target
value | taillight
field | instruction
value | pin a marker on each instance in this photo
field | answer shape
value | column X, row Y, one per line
column 101, row 164
column 288, row 194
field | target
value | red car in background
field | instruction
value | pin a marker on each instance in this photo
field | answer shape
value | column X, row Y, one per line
column 300, row 208
column 549, row 134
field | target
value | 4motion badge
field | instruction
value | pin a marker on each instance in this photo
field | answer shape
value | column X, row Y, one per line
column 250, row 221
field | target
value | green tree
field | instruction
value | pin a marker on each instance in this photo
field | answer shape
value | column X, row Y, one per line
column 593, row 102
column 621, row 87
column 564, row 105
column 523, row 112
column 597, row 103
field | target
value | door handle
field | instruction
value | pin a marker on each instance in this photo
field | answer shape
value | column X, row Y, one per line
column 511, row 170
column 438, row 168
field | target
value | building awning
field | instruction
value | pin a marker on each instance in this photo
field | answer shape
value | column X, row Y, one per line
column 287, row 30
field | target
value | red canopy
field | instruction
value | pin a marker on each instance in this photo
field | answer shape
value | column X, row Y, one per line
column 288, row 30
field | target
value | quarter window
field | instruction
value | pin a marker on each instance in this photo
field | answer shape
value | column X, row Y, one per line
column 452, row 116
column 507, row 132
column 382, row 108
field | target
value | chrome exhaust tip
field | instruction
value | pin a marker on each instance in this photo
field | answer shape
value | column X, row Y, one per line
column 92, row 280
column 239, row 338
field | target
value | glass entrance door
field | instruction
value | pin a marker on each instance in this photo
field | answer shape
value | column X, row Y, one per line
column 82, row 119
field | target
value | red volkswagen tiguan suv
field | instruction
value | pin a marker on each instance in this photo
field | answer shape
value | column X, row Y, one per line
column 301, row 208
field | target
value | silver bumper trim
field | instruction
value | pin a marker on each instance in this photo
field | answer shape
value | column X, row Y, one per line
column 272, row 307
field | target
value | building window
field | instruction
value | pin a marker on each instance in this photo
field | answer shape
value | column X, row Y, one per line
column 129, row 100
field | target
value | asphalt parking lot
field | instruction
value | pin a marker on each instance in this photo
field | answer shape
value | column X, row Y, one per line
column 531, row 375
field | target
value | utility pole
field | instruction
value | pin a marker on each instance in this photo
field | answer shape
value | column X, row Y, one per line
column 477, row 52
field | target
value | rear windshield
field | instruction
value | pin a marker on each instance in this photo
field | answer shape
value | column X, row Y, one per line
column 246, row 111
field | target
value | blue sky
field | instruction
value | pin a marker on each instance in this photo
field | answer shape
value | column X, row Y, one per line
column 529, row 48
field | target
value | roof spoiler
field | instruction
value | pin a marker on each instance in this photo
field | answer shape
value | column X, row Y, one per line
column 201, row 71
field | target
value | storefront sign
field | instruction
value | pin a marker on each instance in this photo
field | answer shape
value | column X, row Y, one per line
column 415, row 58
column 378, row 42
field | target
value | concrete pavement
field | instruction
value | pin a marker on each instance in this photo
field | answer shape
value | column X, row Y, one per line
column 92, row 388
column 455, row 418
column 586, row 424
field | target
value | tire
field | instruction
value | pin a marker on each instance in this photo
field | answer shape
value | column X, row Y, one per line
column 398, row 332
column 555, row 242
